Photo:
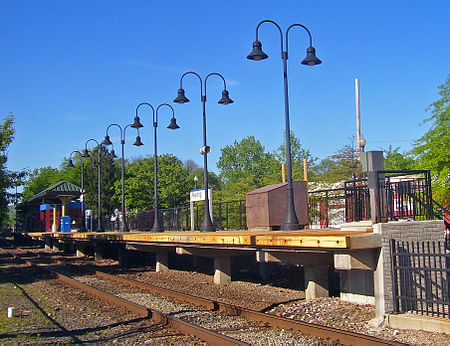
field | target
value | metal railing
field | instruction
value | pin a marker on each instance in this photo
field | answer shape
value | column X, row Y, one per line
column 229, row 215
column 420, row 278
column 403, row 195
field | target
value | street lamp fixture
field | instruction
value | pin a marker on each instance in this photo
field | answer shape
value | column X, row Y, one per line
column 362, row 143
column 207, row 225
column 71, row 165
column 106, row 142
column 291, row 220
column 86, row 154
column 157, row 227
column 195, row 181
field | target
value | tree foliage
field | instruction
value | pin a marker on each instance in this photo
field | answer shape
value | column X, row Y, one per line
column 6, row 137
column 298, row 154
column 173, row 183
column 432, row 150
column 343, row 165
column 245, row 166
column 394, row 160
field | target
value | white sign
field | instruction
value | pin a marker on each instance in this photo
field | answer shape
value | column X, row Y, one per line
column 199, row 195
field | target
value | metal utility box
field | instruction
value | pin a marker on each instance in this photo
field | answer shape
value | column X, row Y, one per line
column 266, row 206
column 65, row 224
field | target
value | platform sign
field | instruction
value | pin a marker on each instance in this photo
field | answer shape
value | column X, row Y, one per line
column 198, row 195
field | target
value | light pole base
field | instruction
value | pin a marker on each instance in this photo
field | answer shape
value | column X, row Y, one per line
column 207, row 225
column 291, row 227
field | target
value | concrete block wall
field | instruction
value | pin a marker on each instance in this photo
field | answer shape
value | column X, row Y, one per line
column 408, row 231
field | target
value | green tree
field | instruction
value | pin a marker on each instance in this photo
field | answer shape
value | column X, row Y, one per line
column 342, row 165
column 432, row 150
column 6, row 137
column 173, row 183
column 298, row 154
column 39, row 179
column 245, row 166
column 394, row 160
column 109, row 176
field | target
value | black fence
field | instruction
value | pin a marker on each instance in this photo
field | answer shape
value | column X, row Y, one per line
column 229, row 215
column 405, row 195
column 420, row 278
column 402, row 195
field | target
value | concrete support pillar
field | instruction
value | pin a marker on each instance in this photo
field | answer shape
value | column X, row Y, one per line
column 99, row 251
column 162, row 261
column 222, row 270
column 57, row 246
column 124, row 257
column 266, row 269
column 378, row 287
column 48, row 244
column 316, row 281
column 82, row 250
column 357, row 286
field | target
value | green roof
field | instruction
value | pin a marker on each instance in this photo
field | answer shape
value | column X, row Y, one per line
column 61, row 189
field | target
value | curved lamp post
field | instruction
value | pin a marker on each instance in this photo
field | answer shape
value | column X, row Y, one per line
column 291, row 221
column 71, row 165
column 85, row 154
column 107, row 141
column 173, row 126
column 207, row 225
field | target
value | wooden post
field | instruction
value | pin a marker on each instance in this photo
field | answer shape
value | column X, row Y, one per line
column 283, row 173
column 358, row 120
column 305, row 170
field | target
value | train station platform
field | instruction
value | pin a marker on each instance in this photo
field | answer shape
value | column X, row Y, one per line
column 313, row 239
column 360, row 254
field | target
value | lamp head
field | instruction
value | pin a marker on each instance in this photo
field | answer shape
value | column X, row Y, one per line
column 311, row 58
column 362, row 143
column 138, row 142
column 181, row 98
column 93, row 164
column 257, row 52
column 85, row 153
column 113, row 154
column 107, row 141
column 225, row 100
column 137, row 123
column 173, row 124
column 70, row 163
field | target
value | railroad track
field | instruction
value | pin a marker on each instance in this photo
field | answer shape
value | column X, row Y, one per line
column 184, row 327
column 263, row 319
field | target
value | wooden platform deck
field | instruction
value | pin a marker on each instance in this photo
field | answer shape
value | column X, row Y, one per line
column 324, row 238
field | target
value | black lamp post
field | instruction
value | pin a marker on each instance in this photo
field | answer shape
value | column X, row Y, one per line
column 173, row 126
column 85, row 154
column 107, row 141
column 207, row 225
column 70, row 164
column 291, row 221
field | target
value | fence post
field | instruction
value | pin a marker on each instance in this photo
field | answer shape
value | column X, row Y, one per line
column 394, row 275
column 375, row 168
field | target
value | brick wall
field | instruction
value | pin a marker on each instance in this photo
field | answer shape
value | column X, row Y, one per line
column 416, row 231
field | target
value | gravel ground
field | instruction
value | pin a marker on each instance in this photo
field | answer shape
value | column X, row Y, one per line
column 289, row 303
column 280, row 301
column 49, row 313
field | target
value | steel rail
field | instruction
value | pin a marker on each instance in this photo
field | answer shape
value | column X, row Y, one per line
column 186, row 328
column 324, row 332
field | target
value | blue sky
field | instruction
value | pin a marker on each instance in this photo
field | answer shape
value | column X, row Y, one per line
column 70, row 68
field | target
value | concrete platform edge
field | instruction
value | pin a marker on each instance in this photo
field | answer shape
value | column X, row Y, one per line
column 408, row 321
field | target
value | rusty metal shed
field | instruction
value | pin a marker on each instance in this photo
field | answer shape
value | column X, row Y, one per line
column 266, row 206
